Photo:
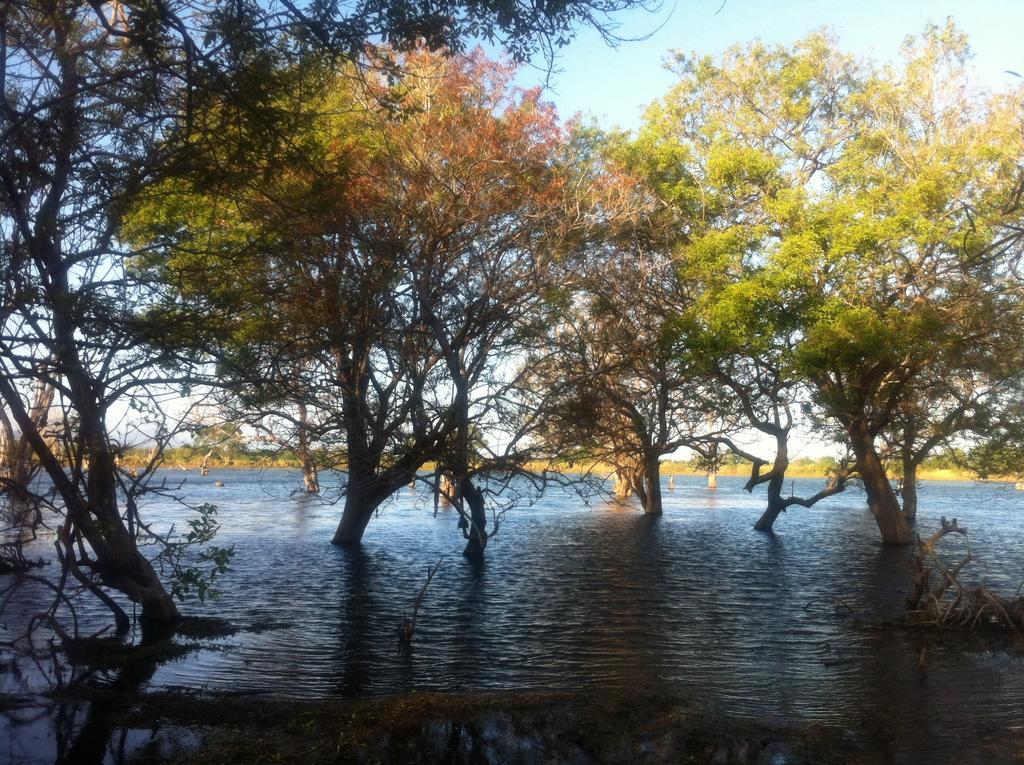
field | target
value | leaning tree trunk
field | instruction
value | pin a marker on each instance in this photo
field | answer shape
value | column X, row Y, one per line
column 90, row 496
column 119, row 562
column 882, row 500
column 364, row 493
column 477, row 531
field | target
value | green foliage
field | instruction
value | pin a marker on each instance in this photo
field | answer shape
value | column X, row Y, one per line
column 850, row 228
column 190, row 561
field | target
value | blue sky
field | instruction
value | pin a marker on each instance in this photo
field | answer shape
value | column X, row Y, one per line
column 615, row 84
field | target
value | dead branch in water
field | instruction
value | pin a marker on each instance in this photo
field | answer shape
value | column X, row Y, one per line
column 408, row 626
column 939, row 597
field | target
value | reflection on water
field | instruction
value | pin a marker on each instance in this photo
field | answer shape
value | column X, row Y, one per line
column 65, row 730
column 694, row 603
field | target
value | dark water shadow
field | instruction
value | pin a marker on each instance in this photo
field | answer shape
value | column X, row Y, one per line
column 358, row 637
column 82, row 723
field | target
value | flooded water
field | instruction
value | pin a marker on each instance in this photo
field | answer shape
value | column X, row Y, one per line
column 694, row 603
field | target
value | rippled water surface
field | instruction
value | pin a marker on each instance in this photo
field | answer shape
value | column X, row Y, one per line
column 571, row 595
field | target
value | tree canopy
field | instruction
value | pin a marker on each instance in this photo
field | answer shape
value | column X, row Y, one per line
column 854, row 228
column 352, row 232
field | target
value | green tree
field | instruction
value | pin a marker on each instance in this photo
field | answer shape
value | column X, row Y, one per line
column 855, row 228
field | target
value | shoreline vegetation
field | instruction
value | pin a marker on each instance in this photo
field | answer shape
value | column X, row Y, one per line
column 186, row 458
column 613, row 726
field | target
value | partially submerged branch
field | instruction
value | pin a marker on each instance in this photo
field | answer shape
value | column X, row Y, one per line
column 407, row 628
column 941, row 599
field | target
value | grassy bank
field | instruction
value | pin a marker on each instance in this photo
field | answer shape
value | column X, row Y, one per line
column 190, row 459
column 814, row 469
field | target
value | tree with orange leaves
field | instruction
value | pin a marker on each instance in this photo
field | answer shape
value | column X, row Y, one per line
column 386, row 276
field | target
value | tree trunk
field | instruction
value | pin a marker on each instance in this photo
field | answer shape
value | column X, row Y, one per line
column 363, row 495
column 651, row 497
column 477, row 532
column 622, row 487
column 94, row 513
column 910, row 491
column 775, row 504
column 119, row 562
column 310, row 476
column 90, row 497
column 882, row 499
column 713, row 479
column 97, row 537
column 159, row 611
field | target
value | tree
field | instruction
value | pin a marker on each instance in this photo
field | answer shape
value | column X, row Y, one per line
column 630, row 392
column 77, row 119
column 745, row 332
column 877, row 208
column 716, row 152
column 917, row 330
column 97, row 101
column 386, row 276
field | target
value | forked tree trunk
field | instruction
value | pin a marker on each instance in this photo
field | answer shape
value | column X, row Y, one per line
column 365, row 492
column 368, row 484
column 775, row 504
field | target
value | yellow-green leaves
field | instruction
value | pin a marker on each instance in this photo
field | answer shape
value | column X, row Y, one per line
column 845, row 222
